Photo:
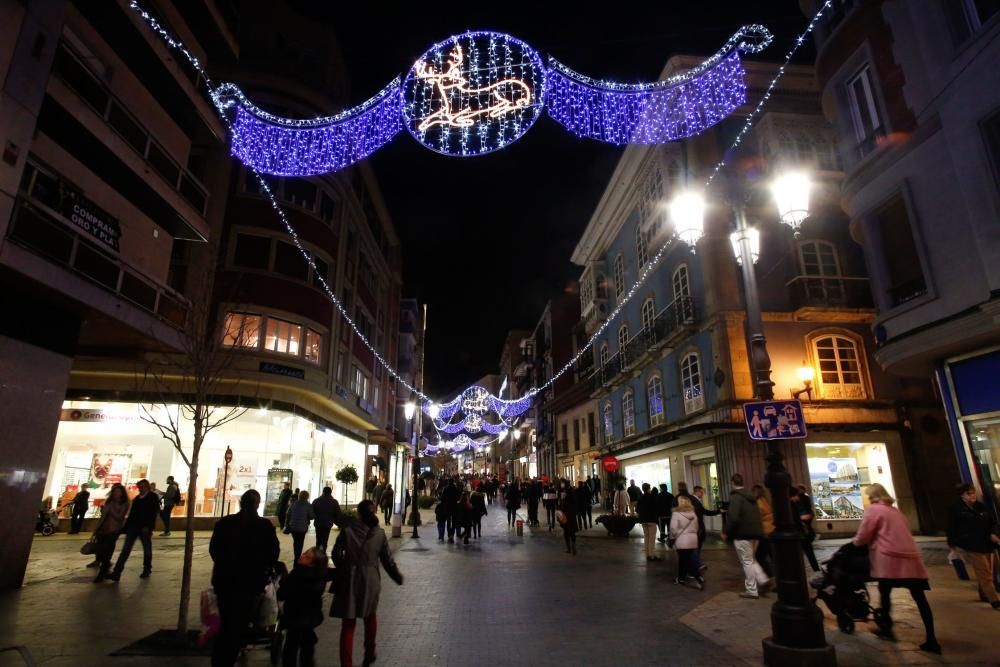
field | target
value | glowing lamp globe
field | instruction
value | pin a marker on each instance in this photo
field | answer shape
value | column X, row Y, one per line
column 687, row 214
column 752, row 235
column 806, row 373
column 409, row 409
column 791, row 195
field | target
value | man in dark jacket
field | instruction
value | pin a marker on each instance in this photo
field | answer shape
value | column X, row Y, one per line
column 284, row 501
column 512, row 497
column 244, row 547
column 534, row 494
column 634, row 493
column 171, row 497
column 664, row 510
column 448, row 499
column 139, row 525
column 584, row 508
column 326, row 509
column 697, row 500
column 80, row 504
column 972, row 528
column 743, row 529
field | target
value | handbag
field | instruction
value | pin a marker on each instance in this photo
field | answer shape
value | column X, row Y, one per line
column 267, row 606
column 955, row 558
column 210, row 621
column 89, row 547
column 561, row 517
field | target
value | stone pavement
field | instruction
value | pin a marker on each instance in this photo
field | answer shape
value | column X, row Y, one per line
column 506, row 600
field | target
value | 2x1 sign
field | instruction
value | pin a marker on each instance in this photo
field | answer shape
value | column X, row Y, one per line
column 775, row 420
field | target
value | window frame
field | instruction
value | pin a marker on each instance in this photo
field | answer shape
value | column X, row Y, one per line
column 628, row 413
column 694, row 402
column 865, row 76
column 244, row 316
column 837, row 390
column 608, row 419
column 623, row 338
column 647, row 315
column 619, row 276
column 656, row 417
column 604, row 354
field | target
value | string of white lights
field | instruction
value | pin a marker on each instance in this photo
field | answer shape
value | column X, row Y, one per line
column 752, row 117
column 156, row 27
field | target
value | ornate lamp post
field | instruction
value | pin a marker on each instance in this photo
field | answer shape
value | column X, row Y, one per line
column 410, row 412
column 796, row 623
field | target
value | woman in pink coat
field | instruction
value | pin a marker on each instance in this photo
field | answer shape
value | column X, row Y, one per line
column 895, row 561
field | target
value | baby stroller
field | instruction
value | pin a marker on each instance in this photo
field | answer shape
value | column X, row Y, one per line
column 268, row 632
column 841, row 586
column 47, row 522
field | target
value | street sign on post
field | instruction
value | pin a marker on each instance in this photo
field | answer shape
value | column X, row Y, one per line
column 610, row 463
column 775, row 420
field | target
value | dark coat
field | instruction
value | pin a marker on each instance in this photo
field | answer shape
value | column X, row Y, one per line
column 244, row 547
column 358, row 583
column 665, row 504
column 449, row 496
column 284, row 500
column 743, row 518
column 970, row 528
column 302, row 593
column 326, row 509
column 568, row 505
column 478, row 501
column 647, row 509
column 461, row 515
column 143, row 513
column 583, row 495
column 513, row 498
column 81, row 499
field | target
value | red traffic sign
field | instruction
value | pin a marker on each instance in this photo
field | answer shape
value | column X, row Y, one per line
column 610, row 463
column 229, row 455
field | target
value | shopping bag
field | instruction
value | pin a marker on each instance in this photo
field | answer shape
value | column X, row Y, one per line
column 89, row 547
column 561, row 517
column 210, row 621
column 267, row 606
column 955, row 557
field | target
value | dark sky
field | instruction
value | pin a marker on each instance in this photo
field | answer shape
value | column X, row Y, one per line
column 486, row 240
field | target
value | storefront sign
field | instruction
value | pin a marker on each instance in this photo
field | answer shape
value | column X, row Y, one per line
column 94, row 416
column 775, row 420
column 610, row 463
column 278, row 369
column 92, row 219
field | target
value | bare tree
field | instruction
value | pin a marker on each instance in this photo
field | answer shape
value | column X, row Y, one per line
column 183, row 390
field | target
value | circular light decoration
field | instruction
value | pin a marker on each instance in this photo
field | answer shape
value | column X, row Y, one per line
column 473, row 93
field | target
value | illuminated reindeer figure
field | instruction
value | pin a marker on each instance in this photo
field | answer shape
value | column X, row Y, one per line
column 491, row 101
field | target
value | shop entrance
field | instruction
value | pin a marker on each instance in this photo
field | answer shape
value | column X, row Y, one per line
column 984, row 443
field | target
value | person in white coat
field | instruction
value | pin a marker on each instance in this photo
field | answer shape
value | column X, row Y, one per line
column 622, row 505
column 684, row 537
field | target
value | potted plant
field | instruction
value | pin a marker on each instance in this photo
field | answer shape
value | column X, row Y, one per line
column 347, row 475
column 618, row 525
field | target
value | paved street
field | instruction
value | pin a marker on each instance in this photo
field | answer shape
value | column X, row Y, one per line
column 506, row 600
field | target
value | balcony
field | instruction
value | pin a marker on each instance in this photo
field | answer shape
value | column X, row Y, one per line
column 829, row 292
column 38, row 228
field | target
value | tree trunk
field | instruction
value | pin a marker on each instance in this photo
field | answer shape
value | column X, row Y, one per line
column 182, row 612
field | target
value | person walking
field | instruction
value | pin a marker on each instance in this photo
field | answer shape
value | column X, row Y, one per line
column 568, row 506
column 596, row 490
column 171, row 498
column 549, row 498
column 385, row 502
column 698, row 501
column 300, row 514
column 622, row 505
column 478, row 502
column 743, row 529
column 972, row 529
column 326, row 510
column 895, row 562
column 533, row 493
column 513, row 502
column 284, row 502
column 302, row 612
column 634, row 493
column 139, row 526
column 646, row 508
column 664, row 509
column 80, row 504
column 463, row 518
column 370, row 487
column 584, row 505
column 684, row 538
column 110, row 525
column 763, row 552
column 802, row 512
column 359, row 549
column 244, row 547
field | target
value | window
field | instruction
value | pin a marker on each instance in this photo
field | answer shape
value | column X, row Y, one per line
column 641, row 246
column 363, row 322
column 691, row 384
column 300, row 193
column 820, row 264
column 241, row 330
column 327, row 207
column 359, row 383
column 591, row 435
column 648, row 317
column 282, row 337
column 376, row 394
column 609, row 423
column 966, row 17
column 682, row 294
column 586, row 291
column 288, row 261
column 654, row 394
column 314, row 346
column 674, row 174
column 252, row 252
column 340, row 365
column 904, row 274
column 565, row 439
column 840, row 374
column 867, row 120
column 619, row 276
column 628, row 413
column 604, row 355
column 650, row 196
column 602, row 286
column 623, row 338
column 576, row 435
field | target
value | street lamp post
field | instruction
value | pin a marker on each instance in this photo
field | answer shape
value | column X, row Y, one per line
column 410, row 411
column 796, row 623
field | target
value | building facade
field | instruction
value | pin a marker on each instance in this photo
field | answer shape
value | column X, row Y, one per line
column 671, row 370
column 913, row 94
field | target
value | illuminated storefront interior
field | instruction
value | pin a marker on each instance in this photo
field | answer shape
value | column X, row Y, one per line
column 839, row 475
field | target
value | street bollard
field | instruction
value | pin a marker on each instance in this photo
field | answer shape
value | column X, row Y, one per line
column 520, row 527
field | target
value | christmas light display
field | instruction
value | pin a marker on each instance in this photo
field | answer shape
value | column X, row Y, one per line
column 264, row 141
column 478, row 92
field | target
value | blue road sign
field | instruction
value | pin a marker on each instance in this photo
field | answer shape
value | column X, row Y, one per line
column 775, row 420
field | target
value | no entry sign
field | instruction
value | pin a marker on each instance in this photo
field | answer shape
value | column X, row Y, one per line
column 610, row 463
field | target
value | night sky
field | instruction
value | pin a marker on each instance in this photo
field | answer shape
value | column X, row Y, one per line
column 486, row 241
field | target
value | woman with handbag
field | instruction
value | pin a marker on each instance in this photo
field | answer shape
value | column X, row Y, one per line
column 359, row 549
column 684, row 537
column 106, row 533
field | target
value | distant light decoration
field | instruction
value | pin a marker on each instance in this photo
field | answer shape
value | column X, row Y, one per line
column 473, row 93
column 478, row 92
